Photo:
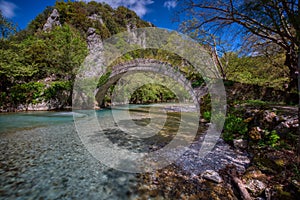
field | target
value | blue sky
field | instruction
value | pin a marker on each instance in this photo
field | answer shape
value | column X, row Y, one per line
column 159, row 12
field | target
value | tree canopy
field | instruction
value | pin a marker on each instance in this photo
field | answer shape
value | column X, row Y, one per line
column 264, row 22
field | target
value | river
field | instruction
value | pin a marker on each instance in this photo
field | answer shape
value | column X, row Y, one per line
column 42, row 156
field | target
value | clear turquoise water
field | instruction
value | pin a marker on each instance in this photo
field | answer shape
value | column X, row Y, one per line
column 43, row 157
column 18, row 121
column 10, row 122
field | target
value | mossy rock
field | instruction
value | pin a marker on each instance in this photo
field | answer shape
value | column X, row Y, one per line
column 268, row 165
column 281, row 194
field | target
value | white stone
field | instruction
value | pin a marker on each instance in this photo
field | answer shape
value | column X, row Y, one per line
column 240, row 143
column 212, row 176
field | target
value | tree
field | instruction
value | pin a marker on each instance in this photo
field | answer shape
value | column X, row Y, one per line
column 7, row 28
column 66, row 51
column 271, row 21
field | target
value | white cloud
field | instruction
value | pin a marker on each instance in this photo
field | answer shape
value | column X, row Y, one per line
column 138, row 6
column 170, row 4
column 8, row 9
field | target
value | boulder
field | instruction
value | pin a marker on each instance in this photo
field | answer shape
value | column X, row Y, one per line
column 212, row 176
column 94, row 41
column 240, row 144
column 269, row 116
column 255, row 133
column 95, row 17
column 53, row 20
column 256, row 187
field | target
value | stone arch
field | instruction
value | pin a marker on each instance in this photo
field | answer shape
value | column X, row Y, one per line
column 147, row 65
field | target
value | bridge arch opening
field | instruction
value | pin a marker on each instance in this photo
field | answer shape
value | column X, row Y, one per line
column 156, row 68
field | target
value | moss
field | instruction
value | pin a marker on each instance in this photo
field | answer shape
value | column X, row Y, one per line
column 268, row 165
column 281, row 194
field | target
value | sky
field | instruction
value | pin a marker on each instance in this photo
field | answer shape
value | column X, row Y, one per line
column 158, row 12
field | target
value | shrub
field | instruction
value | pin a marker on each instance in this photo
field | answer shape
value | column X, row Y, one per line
column 27, row 92
column 272, row 138
column 234, row 127
column 207, row 115
column 56, row 88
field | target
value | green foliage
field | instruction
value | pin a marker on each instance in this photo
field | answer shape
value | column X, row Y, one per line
column 26, row 93
column 228, row 83
column 207, row 115
column 59, row 53
column 56, row 88
column 269, row 138
column 272, row 138
column 258, row 70
column 103, row 79
column 14, row 64
column 36, row 92
column 36, row 24
column 7, row 28
column 114, row 21
column 152, row 93
column 234, row 127
column 296, row 171
column 205, row 104
column 67, row 51
column 31, row 56
column 198, row 82
column 256, row 103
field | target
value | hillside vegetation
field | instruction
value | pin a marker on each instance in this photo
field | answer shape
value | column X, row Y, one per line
column 40, row 66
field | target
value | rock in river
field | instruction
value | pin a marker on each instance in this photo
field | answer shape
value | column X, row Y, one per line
column 212, row 176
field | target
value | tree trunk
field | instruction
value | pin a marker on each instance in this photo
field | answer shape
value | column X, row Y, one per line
column 291, row 62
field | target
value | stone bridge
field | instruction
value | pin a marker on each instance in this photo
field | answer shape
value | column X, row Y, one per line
column 148, row 65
